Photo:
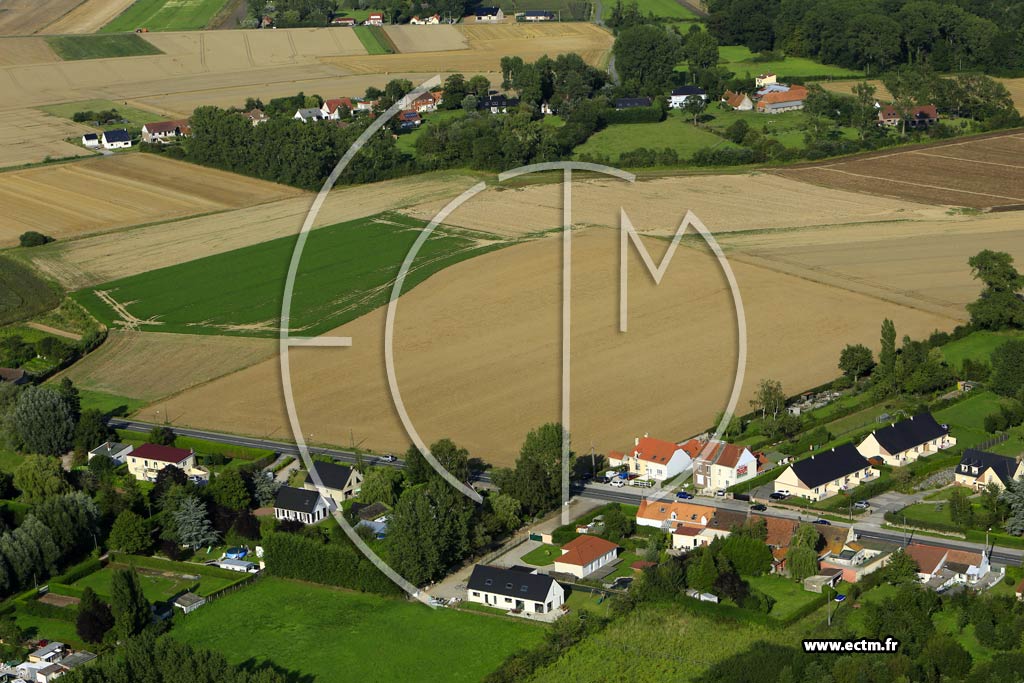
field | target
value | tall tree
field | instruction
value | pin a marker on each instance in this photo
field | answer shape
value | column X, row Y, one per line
column 91, row 431
column 1000, row 304
column 1008, row 368
column 44, row 421
column 228, row 490
column 128, row 604
column 536, row 480
column 886, row 371
column 381, row 484
column 802, row 556
column 162, row 436
column 855, row 361
column 94, row 617
column 1013, row 496
column 902, row 568
column 192, row 523
column 265, row 488
column 129, row 534
column 646, row 57
column 38, row 477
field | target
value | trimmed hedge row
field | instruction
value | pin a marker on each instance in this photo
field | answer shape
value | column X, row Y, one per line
column 652, row 114
column 335, row 564
column 47, row 611
column 78, row 571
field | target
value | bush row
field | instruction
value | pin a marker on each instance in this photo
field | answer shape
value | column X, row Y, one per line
column 297, row 557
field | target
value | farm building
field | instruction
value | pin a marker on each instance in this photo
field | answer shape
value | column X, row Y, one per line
column 375, row 19
column 777, row 101
column 826, row 474
column 918, row 117
column 761, row 80
column 165, row 131
column 979, row 469
column 680, row 96
column 489, row 14
column 115, row 451
column 116, row 139
column 903, row 442
column 91, row 140
column 146, row 461
column 343, row 21
column 519, row 588
column 300, row 505
column 737, row 100
column 188, row 602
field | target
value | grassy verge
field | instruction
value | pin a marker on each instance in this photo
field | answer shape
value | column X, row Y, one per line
column 99, row 47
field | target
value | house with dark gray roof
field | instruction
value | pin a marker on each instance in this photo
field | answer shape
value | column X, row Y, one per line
column 681, row 95
column 978, row 469
column 903, row 442
column 632, row 102
column 300, row 505
column 825, row 474
column 115, row 451
column 518, row 589
column 340, row 482
column 15, row 376
column 116, row 139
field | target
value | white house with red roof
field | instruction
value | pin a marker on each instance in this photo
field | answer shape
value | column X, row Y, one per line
column 719, row 465
column 375, row 19
column 332, row 108
column 585, row 554
column 653, row 459
column 146, row 461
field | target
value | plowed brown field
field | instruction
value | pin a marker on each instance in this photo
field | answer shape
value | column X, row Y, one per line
column 24, row 17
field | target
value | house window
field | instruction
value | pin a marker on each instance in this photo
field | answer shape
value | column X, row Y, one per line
column 476, row 594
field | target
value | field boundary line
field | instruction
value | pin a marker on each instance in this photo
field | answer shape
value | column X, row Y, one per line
column 907, row 182
column 248, row 49
column 972, row 161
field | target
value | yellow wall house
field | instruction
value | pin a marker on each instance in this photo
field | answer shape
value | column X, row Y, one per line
column 146, row 461
column 904, row 442
column 978, row 469
column 826, row 474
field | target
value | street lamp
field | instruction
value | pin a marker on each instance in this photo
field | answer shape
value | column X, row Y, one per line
column 838, row 599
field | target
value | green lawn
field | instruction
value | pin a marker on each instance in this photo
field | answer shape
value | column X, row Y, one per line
column 788, row 127
column 675, row 132
column 9, row 460
column 49, row 629
column 346, row 271
column 331, row 635
column 668, row 9
column 739, row 60
column 159, row 586
column 374, row 40
column 977, row 346
column 23, row 294
column 970, row 412
column 97, row 47
column 165, row 15
column 542, row 556
column 588, row 602
column 109, row 403
column 407, row 141
column 135, row 117
column 789, row 595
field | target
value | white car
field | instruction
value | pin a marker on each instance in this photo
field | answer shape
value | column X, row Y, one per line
column 389, row 458
column 618, row 483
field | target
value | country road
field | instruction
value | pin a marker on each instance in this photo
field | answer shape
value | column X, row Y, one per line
column 600, row 492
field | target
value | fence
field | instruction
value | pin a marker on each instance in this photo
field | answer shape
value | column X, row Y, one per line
column 993, row 441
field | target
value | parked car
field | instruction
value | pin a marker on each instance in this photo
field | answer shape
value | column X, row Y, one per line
column 822, row 521
column 862, row 505
column 389, row 458
column 618, row 483
column 758, row 507
column 602, row 479
column 720, row 492
column 778, row 495
column 684, row 495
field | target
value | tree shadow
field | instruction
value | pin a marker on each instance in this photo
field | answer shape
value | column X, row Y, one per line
column 252, row 665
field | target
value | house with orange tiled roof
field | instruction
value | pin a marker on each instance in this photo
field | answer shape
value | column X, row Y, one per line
column 586, row 554
column 332, row 108
column 652, row 458
column 738, row 101
column 720, row 465
column 669, row 514
column 941, row 567
column 779, row 101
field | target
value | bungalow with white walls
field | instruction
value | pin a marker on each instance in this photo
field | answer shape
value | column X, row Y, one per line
column 903, row 442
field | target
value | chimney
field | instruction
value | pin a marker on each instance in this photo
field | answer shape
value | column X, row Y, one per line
column 636, row 441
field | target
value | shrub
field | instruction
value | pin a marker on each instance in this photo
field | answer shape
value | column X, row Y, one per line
column 34, row 239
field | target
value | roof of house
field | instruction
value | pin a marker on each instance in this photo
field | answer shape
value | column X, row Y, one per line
column 724, row 520
column 835, row 537
column 12, row 375
column 309, row 113
column 152, row 451
column 825, row 467
column 780, row 531
column 734, row 99
column 486, row 11
column 724, row 454
column 1003, row 466
column 299, row 500
column 538, row 13
column 965, row 557
column 331, row 475
column 688, row 90
column 629, row 102
column 512, row 583
column 766, row 75
column 188, row 600
column 685, row 513
column 926, row 111
column 927, row 557
column 684, row 530
column 77, row 659
column 905, row 434
column 371, row 511
column 795, row 93
column 584, row 549
column 256, row 114
column 50, row 669
column 48, row 649
column 654, row 450
column 117, row 135
column 168, row 127
column 110, row 448
column 333, row 104
column 90, row 136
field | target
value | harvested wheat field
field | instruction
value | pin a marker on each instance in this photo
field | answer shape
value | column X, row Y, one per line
column 88, row 17
column 477, row 352
column 149, row 365
column 24, row 17
column 408, row 38
column 25, row 51
column 749, row 201
column 86, row 262
column 978, row 173
column 100, row 194
column 1014, row 85
column 487, row 45
column 28, row 136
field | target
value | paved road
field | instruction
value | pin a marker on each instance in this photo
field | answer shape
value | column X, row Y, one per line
column 631, row 496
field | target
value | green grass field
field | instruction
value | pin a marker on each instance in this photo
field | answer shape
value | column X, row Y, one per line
column 675, row 132
column 970, row 412
column 23, row 294
column 109, row 403
column 49, row 629
column 568, row 10
column 135, row 117
column 331, row 635
column 165, row 15
column 739, row 60
column 789, row 595
column 98, row 47
column 669, row 9
column 407, row 141
column 374, row 40
column 978, row 346
column 158, row 586
column 346, row 271
column 788, row 127
column 544, row 555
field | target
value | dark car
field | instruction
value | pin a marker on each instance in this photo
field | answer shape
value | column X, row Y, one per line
column 777, row 496
column 602, row 479
column 758, row 507
column 822, row 521
column 683, row 495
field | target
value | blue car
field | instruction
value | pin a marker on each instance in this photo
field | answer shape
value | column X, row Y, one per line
column 683, row 495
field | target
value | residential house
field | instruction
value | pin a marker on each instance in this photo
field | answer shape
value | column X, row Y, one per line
column 331, row 109
column 256, row 116
column 188, row 602
column 720, row 465
column 309, row 114
column 366, row 105
column 409, row 120
column 343, row 21
column 857, row 558
column 165, row 131
column 903, row 442
column 146, row 461
column 49, row 672
column 669, row 514
column 790, row 99
column 940, row 568
column 918, row 117
column 537, row 15
column 115, row 451
column 632, row 102
column 498, row 103
column 489, row 14
column 300, row 505
column 77, row 659
column 826, row 474
column 116, row 139
column 680, row 96
column 737, row 100
column 978, row 469
column 15, row 376
column 761, row 80
column 653, row 459
column 374, row 19
column 519, row 589
column 51, row 653
column 339, row 481
column 431, row 20
column 586, row 554
column 91, row 140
